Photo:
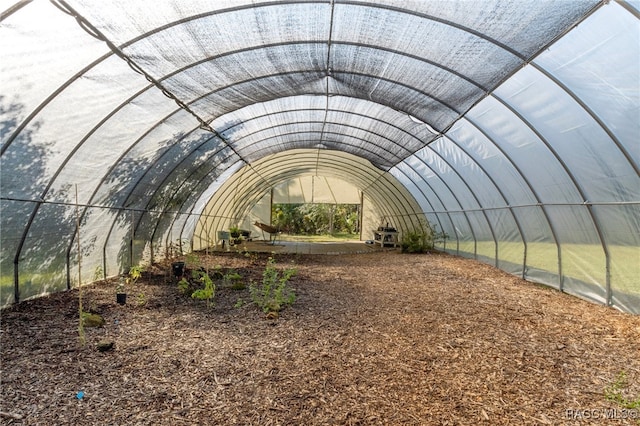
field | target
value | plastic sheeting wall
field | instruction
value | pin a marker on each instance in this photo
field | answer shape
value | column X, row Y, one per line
column 545, row 183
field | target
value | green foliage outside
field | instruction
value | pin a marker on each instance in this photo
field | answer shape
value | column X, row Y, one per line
column 274, row 293
column 316, row 219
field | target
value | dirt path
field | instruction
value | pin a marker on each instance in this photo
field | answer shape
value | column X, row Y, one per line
column 380, row 338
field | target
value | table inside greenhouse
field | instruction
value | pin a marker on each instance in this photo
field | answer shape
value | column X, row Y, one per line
column 385, row 238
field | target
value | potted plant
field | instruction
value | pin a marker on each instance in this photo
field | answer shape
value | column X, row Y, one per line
column 135, row 273
column 121, row 295
column 178, row 269
column 234, row 232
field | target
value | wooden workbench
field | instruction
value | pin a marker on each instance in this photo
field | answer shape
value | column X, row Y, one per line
column 385, row 238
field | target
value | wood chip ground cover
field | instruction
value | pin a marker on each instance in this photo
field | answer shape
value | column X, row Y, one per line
column 372, row 339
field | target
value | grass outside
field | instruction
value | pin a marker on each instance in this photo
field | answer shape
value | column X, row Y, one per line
column 320, row 238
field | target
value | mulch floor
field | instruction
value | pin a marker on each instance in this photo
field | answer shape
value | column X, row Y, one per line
column 372, row 339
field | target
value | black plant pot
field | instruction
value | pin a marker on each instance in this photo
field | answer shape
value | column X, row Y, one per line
column 178, row 269
column 121, row 298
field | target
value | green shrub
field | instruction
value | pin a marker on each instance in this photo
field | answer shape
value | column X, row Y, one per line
column 422, row 239
column 416, row 242
column 274, row 294
column 184, row 286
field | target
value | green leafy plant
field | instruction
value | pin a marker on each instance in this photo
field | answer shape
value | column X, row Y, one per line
column 216, row 272
column 615, row 393
column 239, row 303
column 416, row 242
column 274, row 294
column 422, row 238
column 208, row 292
column 135, row 273
column 184, row 286
column 233, row 280
column 141, row 299
column 120, row 286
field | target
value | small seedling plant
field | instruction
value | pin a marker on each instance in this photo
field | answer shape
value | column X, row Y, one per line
column 233, row 280
column 135, row 273
column 274, row 293
column 206, row 288
column 208, row 292
column 616, row 393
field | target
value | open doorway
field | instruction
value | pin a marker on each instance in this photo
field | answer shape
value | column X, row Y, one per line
column 317, row 221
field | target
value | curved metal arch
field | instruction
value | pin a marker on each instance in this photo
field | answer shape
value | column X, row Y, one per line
column 228, row 10
column 104, row 57
column 54, row 177
column 400, row 10
column 455, row 197
column 526, row 181
column 386, row 186
column 159, row 186
column 439, row 20
column 119, row 160
column 310, row 147
column 133, row 186
column 276, row 167
column 202, row 97
column 85, row 138
column 49, row 99
column 591, row 113
column 227, row 196
column 130, row 99
column 363, row 148
column 424, row 16
column 473, row 195
column 426, row 198
column 366, row 130
column 151, row 85
column 178, row 188
column 198, row 193
column 345, row 2
column 484, row 213
column 629, row 8
column 169, row 149
column 12, row 9
column 369, row 117
column 504, row 198
column 355, row 113
column 81, row 73
column 377, row 197
column 266, row 46
column 580, row 191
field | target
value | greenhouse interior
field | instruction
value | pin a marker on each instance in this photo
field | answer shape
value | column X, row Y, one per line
column 513, row 127
column 138, row 137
